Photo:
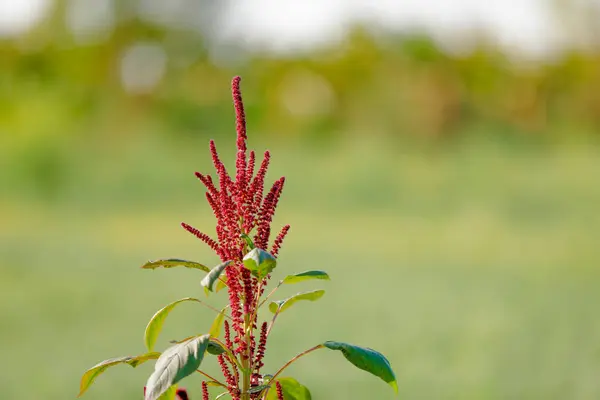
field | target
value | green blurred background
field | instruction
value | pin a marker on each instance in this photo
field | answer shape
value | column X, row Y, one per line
column 451, row 192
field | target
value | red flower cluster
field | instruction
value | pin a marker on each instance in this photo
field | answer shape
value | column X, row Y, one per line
column 279, row 391
column 204, row 391
column 242, row 210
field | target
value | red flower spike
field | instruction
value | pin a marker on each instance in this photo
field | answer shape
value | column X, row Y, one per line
column 202, row 236
column 240, row 116
column 279, row 240
column 215, row 156
column 231, row 383
column 251, row 165
column 279, row 391
column 207, row 181
column 262, row 344
column 257, row 186
column 276, row 189
column 240, row 162
column 234, row 300
column 215, row 206
column 266, row 214
column 228, row 342
column 204, row 391
column 248, row 292
column 246, row 201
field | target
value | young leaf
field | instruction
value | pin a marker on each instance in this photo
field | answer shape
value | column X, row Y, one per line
column 258, row 389
column 91, row 374
column 215, row 329
column 304, row 276
column 248, row 241
column 221, row 283
column 156, row 322
column 283, row 305
column 215, row 348
column 260, row 262
column 174, row 364
column 292, row 390
column 213, row 275
column 175, row 262
column 368, row 360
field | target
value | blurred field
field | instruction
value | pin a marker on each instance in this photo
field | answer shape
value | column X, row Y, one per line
column 473, row 266
column 449, row 188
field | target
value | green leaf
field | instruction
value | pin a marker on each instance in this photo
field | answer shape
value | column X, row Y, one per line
column 221, row 283
column 221, row 395
column 174, row 364
column 260, row 262
column 292, row 390
column 215, row 328
column 91, row 374
column 257, row 389
column 169, row 394
column 212, row 276
column 143, row 358
column 156, row 322
column 248, row 241
column 215, row 348
column 175, row 262
column 304, row 276
column 283, row 305
column 368, row 360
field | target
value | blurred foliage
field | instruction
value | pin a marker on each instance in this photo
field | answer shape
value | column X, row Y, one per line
column 487, row 239
column 64, row 95
column 389, row 84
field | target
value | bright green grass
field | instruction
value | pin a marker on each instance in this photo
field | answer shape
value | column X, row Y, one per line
column 476, row 272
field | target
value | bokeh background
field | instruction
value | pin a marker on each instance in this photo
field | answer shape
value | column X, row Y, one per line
column 442, row 163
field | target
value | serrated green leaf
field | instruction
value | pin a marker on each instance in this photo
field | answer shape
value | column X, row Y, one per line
column 157, row 321
column 292, row 390
column 260, row 262
column 174, row 364
column 304, row 276
column 174, row 262
column 91, row 374
column 212, row 276
column 283, row 305
column 215, row 328
column 368, row 360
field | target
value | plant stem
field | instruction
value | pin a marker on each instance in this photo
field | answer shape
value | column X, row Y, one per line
column 270, row 293
column 230, row 354
column 246, row 362
column 305, row 352
column 211, row 378
column 213, row 308
column 273, row 321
